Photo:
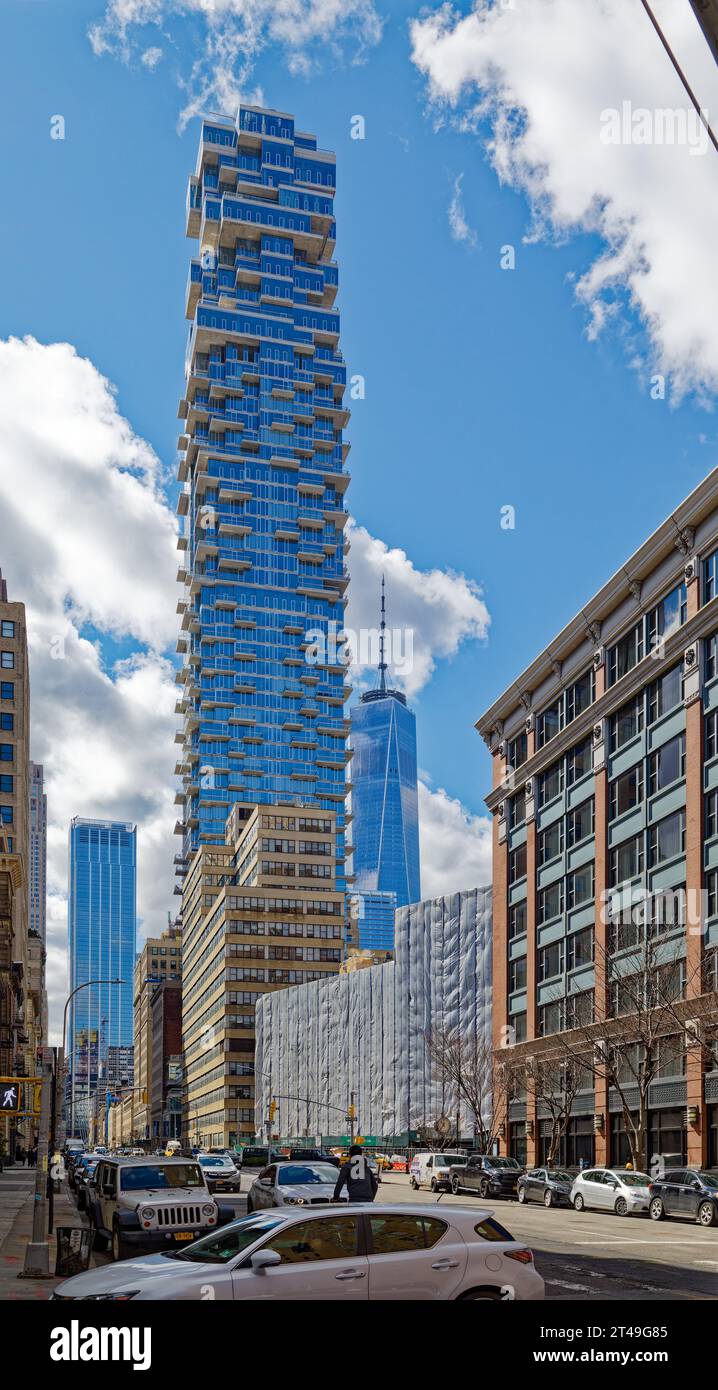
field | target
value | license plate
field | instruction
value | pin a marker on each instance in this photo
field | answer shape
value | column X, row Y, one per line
column 184, row 1235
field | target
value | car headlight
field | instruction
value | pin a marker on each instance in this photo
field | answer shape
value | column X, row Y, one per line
column 148, row 1212
column 208, row 1210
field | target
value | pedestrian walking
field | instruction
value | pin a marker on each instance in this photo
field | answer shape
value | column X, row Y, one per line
column 32, row 1156
column 357, row 1177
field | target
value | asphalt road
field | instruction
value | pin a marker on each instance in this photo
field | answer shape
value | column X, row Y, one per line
column 593, row 1255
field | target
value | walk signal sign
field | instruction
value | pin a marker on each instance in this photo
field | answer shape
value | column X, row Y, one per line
column 10, row 1095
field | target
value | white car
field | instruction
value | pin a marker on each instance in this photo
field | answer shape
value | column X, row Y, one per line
column 294, row 1184
column 350, row 1254
column 611, row 1189
column 432, row 1170
column 221, row 1173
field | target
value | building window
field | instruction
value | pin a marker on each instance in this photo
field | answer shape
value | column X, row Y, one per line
column 667, row 839
column 7, row 722
column 709, row 577
column 517, row 864
column 550, row 1018
column 579, row 1009
column 518, row 1023
column 667, row 616
column 550, row 783
column 579, row 949
column 665, row 693
column 518, row 750
column 6, row 782
column 580, row 886
column 550, row 961
column 626, row 792
column 517, row 809
column 626, row 723
column 7, row 660
column 712, row 892
column 7, row 628
column 580, row 823
column 667, row 764
column 579, row 762
column 549, row 723
column 627, row 860
column 580, row 695
column 625, row 654
column 517, row 974
column 711, row 815
column 7, row 690
column 550, row 842
column 7, row 751
column 710, row 652
column 550, row 902
column 711, row 734
column 6, row 815
column 518, row 920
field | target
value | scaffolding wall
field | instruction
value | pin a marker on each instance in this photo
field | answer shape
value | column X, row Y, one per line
column 365, row 1032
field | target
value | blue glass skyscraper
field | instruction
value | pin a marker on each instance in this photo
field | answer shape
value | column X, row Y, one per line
column 384, row 793
column 102, row 930
column 262, row 465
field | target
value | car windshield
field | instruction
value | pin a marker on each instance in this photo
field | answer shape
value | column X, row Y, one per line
column 300, row 1173
column 633, row 1179
column 214, row 1162
column 558, row 1175
column 503, row 1163
column 232, row 1240
column 157, row 1175
column 456, row 1159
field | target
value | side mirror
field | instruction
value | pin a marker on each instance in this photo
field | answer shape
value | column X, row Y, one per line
column 264, row 1259
column 696, row 1186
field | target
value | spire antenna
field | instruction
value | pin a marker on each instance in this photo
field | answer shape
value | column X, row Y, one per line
column 382, row 630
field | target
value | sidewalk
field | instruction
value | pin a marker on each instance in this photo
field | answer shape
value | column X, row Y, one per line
column 17, row 1190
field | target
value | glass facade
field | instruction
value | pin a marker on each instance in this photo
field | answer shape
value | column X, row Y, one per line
column 102, row 926
column 374, row 914
column 262, row 465
column 385, row 797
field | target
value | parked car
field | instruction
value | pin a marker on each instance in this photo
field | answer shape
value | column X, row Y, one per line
column 552, row 1186
column 228, row 1153
column 356, row 1254
column 314, row 1156
column 75, row 1164
column 258, row 1156
column 221, row 1173
column 399, row 1163
column 150, row 1204
column 434, row 1170
column 611, row 1189
column 486, row 1174
column 82, row 1178
column 685, row 1192
column 293, row 1184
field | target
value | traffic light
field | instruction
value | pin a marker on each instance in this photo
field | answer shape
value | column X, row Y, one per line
column 144, row 1096
column 351, row 1112
column 272, row 1110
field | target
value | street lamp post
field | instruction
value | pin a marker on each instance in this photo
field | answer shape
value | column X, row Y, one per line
column 61, row 1059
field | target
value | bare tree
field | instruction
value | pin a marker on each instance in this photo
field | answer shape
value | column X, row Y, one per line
column 642, row 979
column 554, row 1080
column 475, row 1076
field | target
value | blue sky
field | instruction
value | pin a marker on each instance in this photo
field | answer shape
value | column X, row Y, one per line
column 483, row 387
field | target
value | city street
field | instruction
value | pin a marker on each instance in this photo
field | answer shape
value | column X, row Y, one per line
column 588, row 1256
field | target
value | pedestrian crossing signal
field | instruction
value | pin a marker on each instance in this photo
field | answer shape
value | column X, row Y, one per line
column 9, row 1097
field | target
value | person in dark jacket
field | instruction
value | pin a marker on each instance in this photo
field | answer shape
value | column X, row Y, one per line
column 357, row 1177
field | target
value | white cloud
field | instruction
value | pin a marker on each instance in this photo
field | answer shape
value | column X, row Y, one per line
column 88, row 539
column 534, row 80
column 455, row 845
column 151, row 57
column 458, row 222
column 235, row 32
column 431, row 611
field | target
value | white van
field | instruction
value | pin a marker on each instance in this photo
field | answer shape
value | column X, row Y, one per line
column 432, row 1170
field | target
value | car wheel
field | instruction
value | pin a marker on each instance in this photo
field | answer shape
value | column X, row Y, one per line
column 548, row 1198
column 250, row 1205
column 655, row 1210
column 706, row 1214
column 483, row 1189
column 120, row 1249
column 578, row 1202
column 414, row 1184
column 621, row 1207
column 522, row 1195
column 488, row 1295
column 433, row 1185
column 455, row 1185
column 99, row 1242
